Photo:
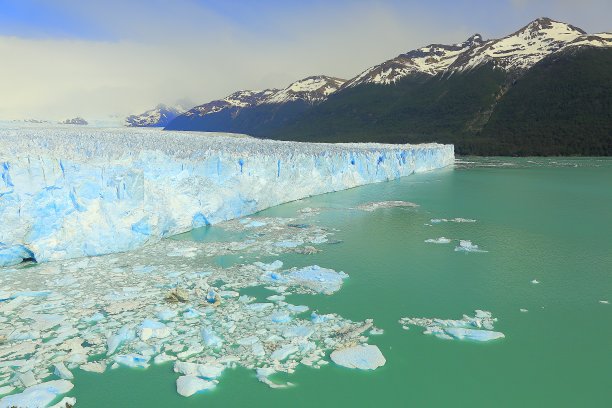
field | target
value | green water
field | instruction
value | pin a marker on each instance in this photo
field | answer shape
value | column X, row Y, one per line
column 546, row 221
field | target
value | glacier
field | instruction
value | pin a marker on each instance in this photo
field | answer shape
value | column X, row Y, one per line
column 74, row 192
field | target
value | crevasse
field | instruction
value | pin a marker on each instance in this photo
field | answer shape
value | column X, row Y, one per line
column 68, row 192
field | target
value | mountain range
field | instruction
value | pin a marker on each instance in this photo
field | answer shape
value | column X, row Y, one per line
column 545, row 89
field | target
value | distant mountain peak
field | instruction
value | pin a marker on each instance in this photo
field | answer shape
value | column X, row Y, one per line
column 159, row 116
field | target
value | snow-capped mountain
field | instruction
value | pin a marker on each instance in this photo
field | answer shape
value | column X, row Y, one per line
column 517, row 51
column 430, row 60
column 159, row 116
column 255, row 112
column 311, row 90
column 524, row 48
column 240, row 99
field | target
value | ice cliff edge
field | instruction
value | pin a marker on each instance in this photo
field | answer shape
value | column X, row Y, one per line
column 68, row 193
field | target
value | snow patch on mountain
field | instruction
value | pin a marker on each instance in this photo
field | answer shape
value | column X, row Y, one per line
column 430, row 60
column 524, row 48
column 159, row 116
column 311, row 90
column 518, row 51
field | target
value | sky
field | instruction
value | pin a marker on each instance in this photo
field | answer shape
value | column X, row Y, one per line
column 100, row 59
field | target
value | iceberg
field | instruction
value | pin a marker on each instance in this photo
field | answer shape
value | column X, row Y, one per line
column 187, row 385
column 468, row 246
column 40, row 395
column 67, row 193
column 478, row 328
column 310, row 278
column 363, row 357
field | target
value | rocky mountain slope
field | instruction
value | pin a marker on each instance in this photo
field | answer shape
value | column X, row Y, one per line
column 257, row 112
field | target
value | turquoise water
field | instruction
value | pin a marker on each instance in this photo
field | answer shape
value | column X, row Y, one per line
column 549, row 220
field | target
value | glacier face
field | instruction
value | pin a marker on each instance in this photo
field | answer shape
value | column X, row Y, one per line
column 68, row 193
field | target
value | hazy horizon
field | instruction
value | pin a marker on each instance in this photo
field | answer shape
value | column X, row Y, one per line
column 62, row 59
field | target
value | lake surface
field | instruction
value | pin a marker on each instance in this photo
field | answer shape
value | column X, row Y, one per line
column 548, row 220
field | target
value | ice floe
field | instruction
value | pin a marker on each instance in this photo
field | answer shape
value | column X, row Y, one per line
column 440, row 240
column 363, row 357
column 456, row 220
column 187, row 385
column 478, row 328
column 467, row 246
column 39, row 395
column 373, row 206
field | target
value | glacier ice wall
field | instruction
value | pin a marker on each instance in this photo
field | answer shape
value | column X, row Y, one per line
column 67, row 192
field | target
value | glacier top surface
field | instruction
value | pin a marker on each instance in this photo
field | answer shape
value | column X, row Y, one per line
column 89, row 142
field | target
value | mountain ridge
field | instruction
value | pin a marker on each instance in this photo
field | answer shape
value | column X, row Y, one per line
column 445, row 93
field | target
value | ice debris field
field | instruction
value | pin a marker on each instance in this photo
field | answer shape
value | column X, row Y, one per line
column 169, row 302
column 67, row 192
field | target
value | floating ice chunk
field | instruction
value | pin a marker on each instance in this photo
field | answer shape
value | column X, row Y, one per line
column 457, row 220
column 62, row 372
column 27, row 378
column 225, row 294
column 209, row 370
column 187, row 385
column 40, row 395
column 143, row 269
column 297, row 331
column 275, row 298
column 467, row 246
column 133, row 360
column 264, row 373
column 288, row 244
column 523, row 310
column 318, row 279
column 153, row 329
column 210, row 338
column 94, row 318
column 191, row 313
column 280, row 317
column 211, row 295
column 477, row 328
column 385, row 204
column 297, row 309
column 255, row 224
column 166, row 314
column 535, row 281
column 284, row 352
column 65, row 402
column 363, row 357
column 258, row 307
column 440, row 240
column 124, row 335
column 247, row 341
column 318, row 318
column 258, row 349
column 604, row 302
column 163, row 358
column 376, row 332
column 461, row 333
column 94, row 367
